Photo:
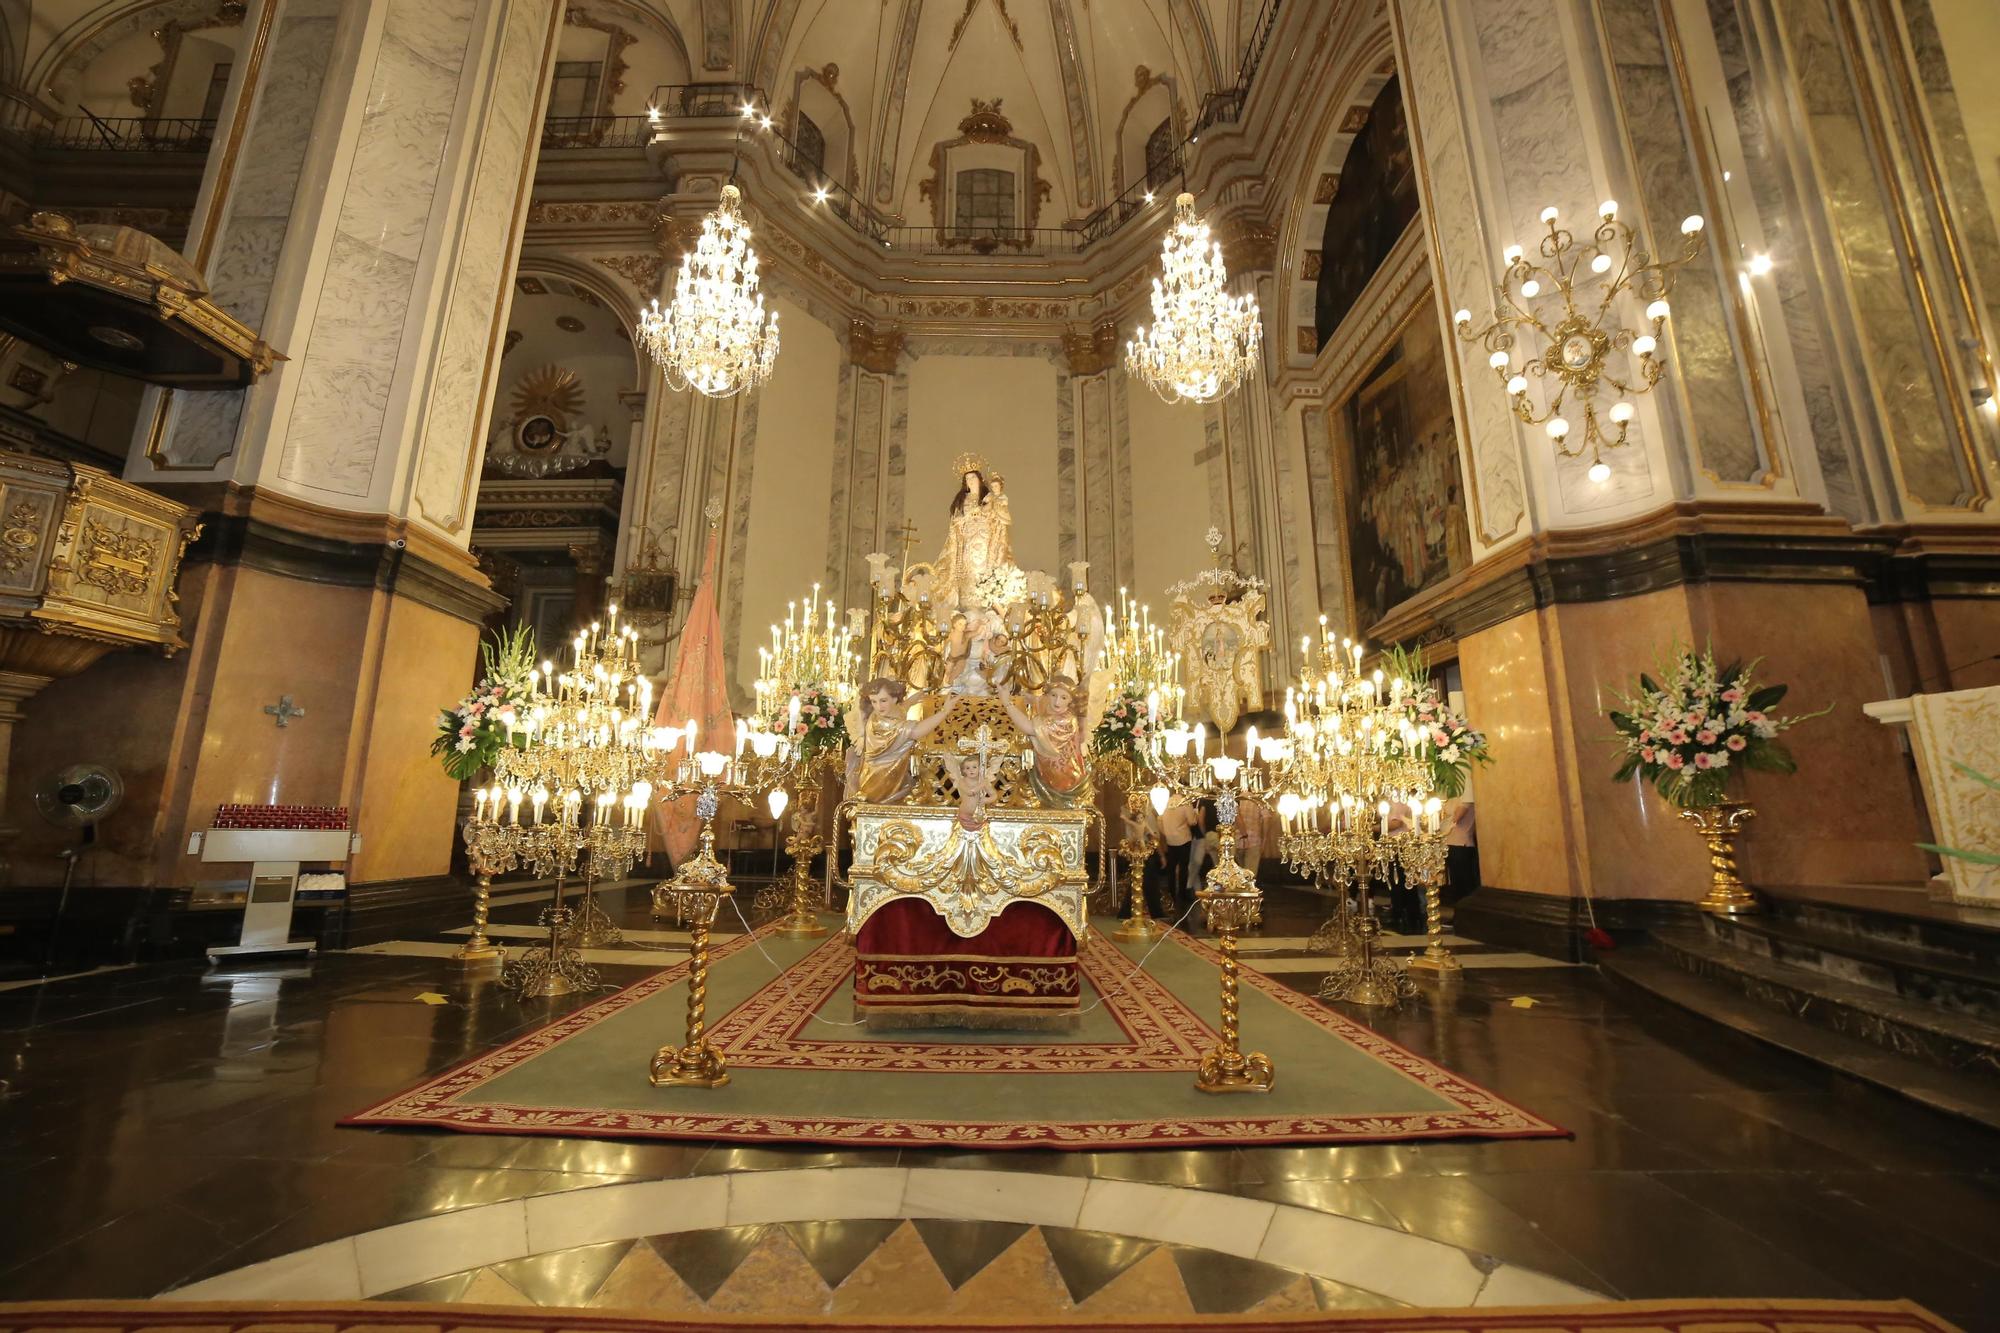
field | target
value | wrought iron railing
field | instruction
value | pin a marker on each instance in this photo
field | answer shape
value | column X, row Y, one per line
column 125, row 134
column 564, row 132
column 1004, row 241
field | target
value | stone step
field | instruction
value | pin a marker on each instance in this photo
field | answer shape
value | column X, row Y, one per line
column 1650, row 970
column 1908, row 918
column 1924, row 1032
column 1892, row 965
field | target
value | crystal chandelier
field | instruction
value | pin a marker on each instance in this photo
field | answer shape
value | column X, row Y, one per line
column 1203, row 341
column 715, row 338
column 1565, row 301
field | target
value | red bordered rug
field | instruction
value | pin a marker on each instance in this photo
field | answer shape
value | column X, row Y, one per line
column 803, row 1072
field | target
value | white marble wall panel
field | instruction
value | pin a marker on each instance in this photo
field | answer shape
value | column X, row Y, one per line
column 1489, row 447
column 1779, row 227
column 1709, row 361
column 1214, row 464
column 738, row 521
column 864, row 477
column 888, row 136
column 257, row 214
column 1082, row 151
column 465, row 363
column 1067, row 450
column 334, row 437
column 843, row 453
column 1326, row 517
column 1121, row 459
column 1101, row 496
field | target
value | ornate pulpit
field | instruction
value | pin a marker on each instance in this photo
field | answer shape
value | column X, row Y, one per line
column 87, row 565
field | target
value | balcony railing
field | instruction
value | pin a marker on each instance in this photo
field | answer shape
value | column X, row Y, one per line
column 1002, row 241
column 124, row 134
column 576, row 132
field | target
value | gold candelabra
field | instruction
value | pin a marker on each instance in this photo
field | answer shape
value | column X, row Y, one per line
column 1231, row 901
column 1355, row 762
column 762, row 763
column 812, row 661
column 573, row 786
column 1567, row 300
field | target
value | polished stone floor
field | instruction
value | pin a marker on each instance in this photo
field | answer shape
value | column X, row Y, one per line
column 162, row 1124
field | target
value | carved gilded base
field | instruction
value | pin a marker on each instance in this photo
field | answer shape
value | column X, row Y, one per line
column 1719, row 825
column 696, row 1066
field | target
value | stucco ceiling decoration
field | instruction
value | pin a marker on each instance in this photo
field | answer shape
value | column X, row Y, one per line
column 1062, row 67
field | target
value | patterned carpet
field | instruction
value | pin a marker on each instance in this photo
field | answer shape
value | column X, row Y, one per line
column 1737, row 1316
column 805, row 1072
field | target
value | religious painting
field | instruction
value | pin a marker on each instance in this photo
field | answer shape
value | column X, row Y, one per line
column 1374, row 204
column 1398, row 452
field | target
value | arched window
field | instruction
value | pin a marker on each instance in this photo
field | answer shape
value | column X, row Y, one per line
column 985, row 202
column 809, row 158
column 1160, row 154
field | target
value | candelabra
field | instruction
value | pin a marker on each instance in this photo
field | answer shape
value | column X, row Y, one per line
column 1353, row 758
column 1230, row 901
column 701, row 882
column 1577, row 330
column 1142, row 667
column 806, row 680
column 582, row 768
column 1423, row 862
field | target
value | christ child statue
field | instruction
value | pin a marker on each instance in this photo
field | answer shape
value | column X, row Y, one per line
column 975, row 789
column 878, row 767
column 1054, row 725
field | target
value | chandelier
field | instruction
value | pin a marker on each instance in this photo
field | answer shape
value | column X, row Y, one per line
column 715, row 338
column 1566, row 300
column 1203, row 341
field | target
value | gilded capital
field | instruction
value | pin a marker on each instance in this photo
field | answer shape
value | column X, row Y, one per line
column 872, row 348
column 1092, row 352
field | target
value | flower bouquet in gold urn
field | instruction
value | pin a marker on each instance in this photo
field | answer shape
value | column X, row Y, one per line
column 1688, row 733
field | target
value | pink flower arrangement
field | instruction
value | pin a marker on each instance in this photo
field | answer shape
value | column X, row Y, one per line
column 821, row 727
column 1124, row 729
column 1699, row 723
column 472, row 732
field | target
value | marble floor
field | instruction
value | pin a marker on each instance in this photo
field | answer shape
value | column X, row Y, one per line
column 171, row 1127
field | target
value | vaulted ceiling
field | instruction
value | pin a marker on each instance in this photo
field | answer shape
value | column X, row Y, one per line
column 1085, row 81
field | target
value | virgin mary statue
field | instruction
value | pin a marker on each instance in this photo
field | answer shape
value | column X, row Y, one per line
column 979, row 541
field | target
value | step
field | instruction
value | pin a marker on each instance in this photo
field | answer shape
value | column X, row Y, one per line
column 1914, row 972
column 1649, row 969
column 1907, row 917
column 1925, row 1032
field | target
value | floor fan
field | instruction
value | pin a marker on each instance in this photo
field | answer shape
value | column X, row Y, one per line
column 77, row 797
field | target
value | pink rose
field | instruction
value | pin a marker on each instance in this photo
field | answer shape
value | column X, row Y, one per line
column 1753, row 716
column 1737, row 742
column 1731, row 695
column 1675, row 762
column 1704, row 761
column 1646, row 755
column 1705, row 737
column 1677, row 736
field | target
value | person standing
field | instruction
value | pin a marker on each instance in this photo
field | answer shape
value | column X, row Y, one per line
column 1179, row 825
column 1201, row 852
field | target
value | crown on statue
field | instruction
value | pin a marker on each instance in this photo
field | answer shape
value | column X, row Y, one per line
column 969, row 462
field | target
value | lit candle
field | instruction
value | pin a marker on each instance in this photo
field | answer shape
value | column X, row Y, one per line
column 1385, row 818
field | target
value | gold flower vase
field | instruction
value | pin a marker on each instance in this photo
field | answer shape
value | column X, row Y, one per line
column 1720, row 824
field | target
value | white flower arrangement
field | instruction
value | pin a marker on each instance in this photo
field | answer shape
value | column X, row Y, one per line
column 1000, row 587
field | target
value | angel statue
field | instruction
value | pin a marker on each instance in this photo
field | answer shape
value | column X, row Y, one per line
column 979, row 541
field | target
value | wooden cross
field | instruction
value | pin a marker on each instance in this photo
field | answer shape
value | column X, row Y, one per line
column 284, row 710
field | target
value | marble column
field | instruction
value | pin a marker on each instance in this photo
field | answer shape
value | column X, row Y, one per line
column 1100, row 527
column 363, row 209
column 1814, row 384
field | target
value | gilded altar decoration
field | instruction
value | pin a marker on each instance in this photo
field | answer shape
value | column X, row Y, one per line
column 1570, row 313
column 1217, row 629
column 969, row 875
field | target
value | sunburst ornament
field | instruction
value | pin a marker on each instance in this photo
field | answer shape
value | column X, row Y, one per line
column 549, row 391
column 1204, row 341
column 716, row 337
